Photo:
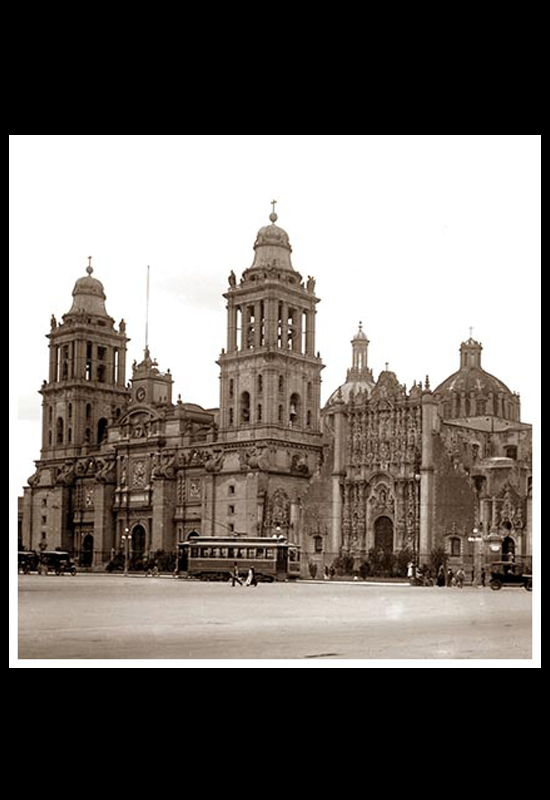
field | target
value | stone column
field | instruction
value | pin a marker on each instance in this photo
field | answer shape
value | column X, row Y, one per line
column 429, row 413
column 337, row 474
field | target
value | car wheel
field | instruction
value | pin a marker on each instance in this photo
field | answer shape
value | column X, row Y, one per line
column 495, row 584
column 528, row 585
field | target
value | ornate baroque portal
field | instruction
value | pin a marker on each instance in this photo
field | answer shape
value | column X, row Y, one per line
column 380, row 490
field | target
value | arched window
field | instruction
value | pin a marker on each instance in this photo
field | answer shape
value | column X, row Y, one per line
column 259, row 414
column 454, row 546
column 59, row 430
column 231, row 416
column 281, row 384
column 512, row 452
column 317, row 544
column 294, row 411
column 101, row 430
column 245, row 408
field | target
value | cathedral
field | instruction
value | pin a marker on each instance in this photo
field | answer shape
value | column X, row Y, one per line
column 379, row 476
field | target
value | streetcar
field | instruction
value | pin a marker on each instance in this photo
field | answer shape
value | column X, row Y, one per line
column 214, row 558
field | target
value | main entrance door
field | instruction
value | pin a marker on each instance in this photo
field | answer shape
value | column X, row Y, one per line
column 383, row 534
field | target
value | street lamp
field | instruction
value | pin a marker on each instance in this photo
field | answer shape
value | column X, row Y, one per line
column 126, row 539
column 476, row 538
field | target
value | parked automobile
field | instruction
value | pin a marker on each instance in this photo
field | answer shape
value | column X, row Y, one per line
column 509, row 573
column 58, row 561
column 27, row 561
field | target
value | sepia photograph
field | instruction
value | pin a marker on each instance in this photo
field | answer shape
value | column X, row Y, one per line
column 275, row 401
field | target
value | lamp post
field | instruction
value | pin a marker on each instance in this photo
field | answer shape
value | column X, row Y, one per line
column 476, row 538
column 126, row 539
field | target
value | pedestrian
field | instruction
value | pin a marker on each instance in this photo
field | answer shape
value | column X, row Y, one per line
column 460, row 576
column 251, row 578
column 450, row 576
column 235, row 575
column 326, row 573
column 483, row 576
column 440, row 579
column 473, row 575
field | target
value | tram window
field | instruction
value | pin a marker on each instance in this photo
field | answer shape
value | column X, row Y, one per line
column 269, row 552
column 292, row 555
column 205, row 552
column 223, row 552
column 194, row 552
column 215, row 552
column 241, row 552
column 230, row 552
column 251, row 552
column 260, row 552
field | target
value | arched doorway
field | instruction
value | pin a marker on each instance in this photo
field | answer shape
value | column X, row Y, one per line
column 87, row 554
column 508, row 549
column 138, row 541
column 383, row 534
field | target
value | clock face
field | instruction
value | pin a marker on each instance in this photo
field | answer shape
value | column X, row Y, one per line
column 140, row 394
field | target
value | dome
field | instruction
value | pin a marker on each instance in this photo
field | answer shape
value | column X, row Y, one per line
column 272, row 246
column 344, row 392
column 471, row 391
column 472, row 379
column 89, row 295
column 360, row 336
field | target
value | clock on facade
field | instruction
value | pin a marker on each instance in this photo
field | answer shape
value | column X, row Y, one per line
column 140, row 394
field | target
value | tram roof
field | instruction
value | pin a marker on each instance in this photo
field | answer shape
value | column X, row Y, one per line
column 238, row 541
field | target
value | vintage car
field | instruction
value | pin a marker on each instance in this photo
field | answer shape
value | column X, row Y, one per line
column 58, row 561
column 27, row 561
column 510, row 573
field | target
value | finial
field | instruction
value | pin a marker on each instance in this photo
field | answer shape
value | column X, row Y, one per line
column 360, row 326
column 89, row 268
column 471, row 332
column 387, row 365
column 273, row 216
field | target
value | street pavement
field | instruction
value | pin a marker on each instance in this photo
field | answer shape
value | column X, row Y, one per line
column 113, row 617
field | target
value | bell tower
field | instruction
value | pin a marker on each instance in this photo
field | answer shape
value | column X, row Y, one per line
column 270, row 375
column 86, row 386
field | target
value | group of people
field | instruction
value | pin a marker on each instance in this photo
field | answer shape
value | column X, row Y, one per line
column 250, row 580
column 450, row 578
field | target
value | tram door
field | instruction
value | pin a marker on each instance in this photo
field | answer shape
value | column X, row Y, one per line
column 183, row 554
column 282, row 563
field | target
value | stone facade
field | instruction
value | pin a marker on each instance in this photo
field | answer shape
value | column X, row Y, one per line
column 431, row 475
column 379, row 469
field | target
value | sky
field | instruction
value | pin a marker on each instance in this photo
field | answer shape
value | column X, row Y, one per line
column 419, row 237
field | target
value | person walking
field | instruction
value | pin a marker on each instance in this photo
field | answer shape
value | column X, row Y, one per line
column 440, row 579
column 483, row 576
column 460, row 576
column 235, row 575
column 251, row 579
column 449, row 577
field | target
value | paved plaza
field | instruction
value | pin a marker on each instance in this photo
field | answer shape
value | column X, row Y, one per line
column 113, row 617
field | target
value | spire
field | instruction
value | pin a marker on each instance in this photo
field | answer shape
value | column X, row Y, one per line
column 273, row 216
column 359, row 346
